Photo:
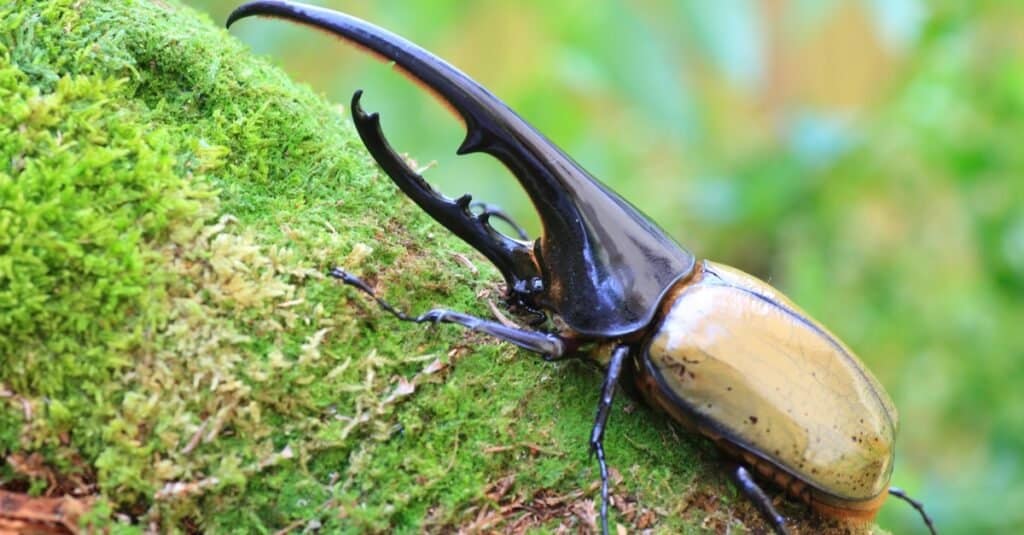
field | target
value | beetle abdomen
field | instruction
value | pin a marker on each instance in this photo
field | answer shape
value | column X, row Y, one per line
column 750, row 368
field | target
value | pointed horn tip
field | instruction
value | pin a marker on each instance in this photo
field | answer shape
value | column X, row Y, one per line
column 357, row 109
column 356, row 97
column 258, row 7
column 239, row 13
column 464, row 200
column 232, row 18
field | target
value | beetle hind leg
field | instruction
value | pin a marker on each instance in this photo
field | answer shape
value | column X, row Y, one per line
column 745, row 482
column 899, row 493
column 550, row 346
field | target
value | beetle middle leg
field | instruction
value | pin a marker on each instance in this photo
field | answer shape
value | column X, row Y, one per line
column 604, row 406
column 549, row 346
column 745, row 481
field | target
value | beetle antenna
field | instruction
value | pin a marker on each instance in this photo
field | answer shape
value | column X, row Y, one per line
column 493, row 210
column 901, row 494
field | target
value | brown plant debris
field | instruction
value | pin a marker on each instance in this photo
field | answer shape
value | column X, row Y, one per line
column 21, row 513
column 574, row 512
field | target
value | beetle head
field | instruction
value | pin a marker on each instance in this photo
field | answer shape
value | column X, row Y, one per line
column 600, row 264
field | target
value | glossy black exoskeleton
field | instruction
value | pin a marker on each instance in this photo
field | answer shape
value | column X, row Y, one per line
column 608, row 273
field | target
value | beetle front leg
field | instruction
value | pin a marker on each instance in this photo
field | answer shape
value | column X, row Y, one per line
column 745, row 481
column 549, row 346
column 604, row 407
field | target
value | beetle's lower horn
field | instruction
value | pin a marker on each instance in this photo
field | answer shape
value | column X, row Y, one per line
column 513, row 258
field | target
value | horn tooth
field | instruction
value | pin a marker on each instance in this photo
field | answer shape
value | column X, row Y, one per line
column 464, row 200
column 474, row 142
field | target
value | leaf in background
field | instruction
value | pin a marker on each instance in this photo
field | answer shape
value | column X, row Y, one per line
column 899, row 21
column 731, row 36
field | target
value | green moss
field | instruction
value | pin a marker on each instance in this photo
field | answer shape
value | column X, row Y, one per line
column 168, row 207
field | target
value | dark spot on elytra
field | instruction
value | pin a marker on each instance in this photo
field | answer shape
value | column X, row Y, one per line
column 753, row 420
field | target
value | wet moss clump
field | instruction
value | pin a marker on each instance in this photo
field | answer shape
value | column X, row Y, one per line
column 170, row 346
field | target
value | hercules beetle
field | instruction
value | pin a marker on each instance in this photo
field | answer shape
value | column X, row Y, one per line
column 693, row 337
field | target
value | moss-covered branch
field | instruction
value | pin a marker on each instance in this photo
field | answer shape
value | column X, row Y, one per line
column 168, row 207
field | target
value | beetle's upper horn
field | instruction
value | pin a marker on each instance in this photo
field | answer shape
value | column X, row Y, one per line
column 604, row 265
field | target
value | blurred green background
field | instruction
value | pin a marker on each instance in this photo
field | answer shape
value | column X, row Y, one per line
column 865, row 156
